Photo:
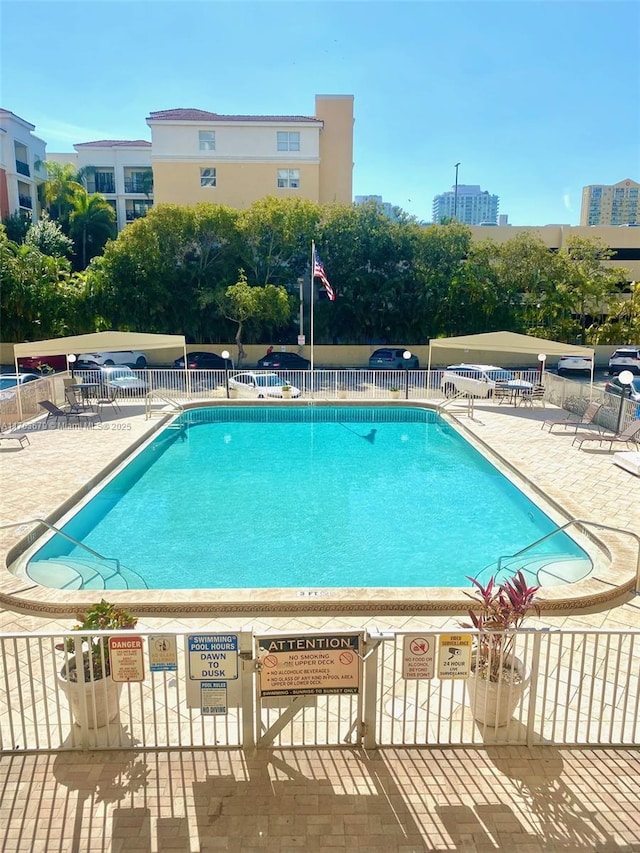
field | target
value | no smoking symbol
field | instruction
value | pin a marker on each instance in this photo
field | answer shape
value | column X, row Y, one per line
column 346, row 658
column 419, row 646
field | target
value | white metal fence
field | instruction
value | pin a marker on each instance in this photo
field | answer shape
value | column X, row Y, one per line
column 18, row 405
column 584, row 689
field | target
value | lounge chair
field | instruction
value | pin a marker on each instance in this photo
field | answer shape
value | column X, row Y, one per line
column 55, row 413
column 22, row 437
column 630, row 435
column 587, row 420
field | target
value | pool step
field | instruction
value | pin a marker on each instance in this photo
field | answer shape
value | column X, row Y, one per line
column 82, row 573
column 543, row 569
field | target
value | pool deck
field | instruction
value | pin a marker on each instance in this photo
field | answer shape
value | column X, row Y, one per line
column 394, row 800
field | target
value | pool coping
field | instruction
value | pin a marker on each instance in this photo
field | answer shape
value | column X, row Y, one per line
column 604, row 587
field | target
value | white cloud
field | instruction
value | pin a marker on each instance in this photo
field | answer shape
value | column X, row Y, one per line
column 566, row 200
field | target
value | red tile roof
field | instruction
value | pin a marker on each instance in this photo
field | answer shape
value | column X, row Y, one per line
column 115, row 143
column 203, row 115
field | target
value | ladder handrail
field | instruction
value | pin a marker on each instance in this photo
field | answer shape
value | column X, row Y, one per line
column 160, row 396
column 64, row 535
column 584, row 522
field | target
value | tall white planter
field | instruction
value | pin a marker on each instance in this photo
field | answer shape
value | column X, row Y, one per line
column 494, row 703
column 93, row 703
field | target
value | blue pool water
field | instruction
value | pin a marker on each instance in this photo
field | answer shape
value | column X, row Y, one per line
column 307, row 497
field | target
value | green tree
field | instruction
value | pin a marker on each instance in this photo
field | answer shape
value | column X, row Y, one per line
column 241, row 303
column 16, row 227
column 63, row 183
column 47, row 236
column 92, row 222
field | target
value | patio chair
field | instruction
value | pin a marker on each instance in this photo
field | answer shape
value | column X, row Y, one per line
column 54, row 413
column 108, row 397
column 22, row 437
column 532, row 396
column 586, row 421
column 630, row 435
column 75, row 405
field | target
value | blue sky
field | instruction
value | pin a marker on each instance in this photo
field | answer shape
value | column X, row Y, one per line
column 534, row 99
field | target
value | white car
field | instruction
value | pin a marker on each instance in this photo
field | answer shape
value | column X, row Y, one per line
column 574, row 364
column 124, row 379
column 130, row 357
column 260, row 384
column 625, row 358
column 480, row 380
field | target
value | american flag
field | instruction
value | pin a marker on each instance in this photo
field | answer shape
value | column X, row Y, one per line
column 318, row 272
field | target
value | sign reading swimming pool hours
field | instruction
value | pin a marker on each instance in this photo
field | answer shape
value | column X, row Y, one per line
column 212, row 657
column 311, row 665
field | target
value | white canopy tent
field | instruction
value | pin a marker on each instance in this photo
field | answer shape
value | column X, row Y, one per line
column 510, row 342
column 100, row 342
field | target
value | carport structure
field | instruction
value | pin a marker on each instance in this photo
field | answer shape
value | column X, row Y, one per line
column 100, row 342
column 509, row 342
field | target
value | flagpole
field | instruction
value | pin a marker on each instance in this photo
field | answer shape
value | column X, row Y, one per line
column 312, row 291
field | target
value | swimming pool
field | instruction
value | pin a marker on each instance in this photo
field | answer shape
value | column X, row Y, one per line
column 302, row 497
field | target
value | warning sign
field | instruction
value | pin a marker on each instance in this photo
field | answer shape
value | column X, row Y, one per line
column 163, row 653
column 298, row 666
column 419, row 656
column 213, row 697
column 127, row 660
column 212, row 657
column 454, row 659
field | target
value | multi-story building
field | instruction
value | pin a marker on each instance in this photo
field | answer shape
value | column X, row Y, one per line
column 120, row 170
column 618, row 204
column 22, row 170
column 467, row 203
column 389, row 210
column 237, row 159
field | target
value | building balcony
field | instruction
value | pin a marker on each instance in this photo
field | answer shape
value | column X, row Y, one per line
column 133, row 186
column 134, row 214
column 25, row 201
column 22, row 168
column 106, row 186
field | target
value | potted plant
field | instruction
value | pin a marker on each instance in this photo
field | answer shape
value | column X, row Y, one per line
column 343, row 392
column 498, row 678
column 85, row 677
column 395, row 392
column 286, row 392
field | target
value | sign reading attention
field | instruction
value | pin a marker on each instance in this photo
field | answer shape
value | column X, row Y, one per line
column 298, row 666
column 212, row 657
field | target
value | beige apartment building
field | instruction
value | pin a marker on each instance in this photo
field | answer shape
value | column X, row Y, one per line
column 618, row 204
column 625, row 242
column 237, row 159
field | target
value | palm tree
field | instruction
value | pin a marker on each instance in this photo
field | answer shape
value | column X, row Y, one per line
column 91, row 223
column 60, row 190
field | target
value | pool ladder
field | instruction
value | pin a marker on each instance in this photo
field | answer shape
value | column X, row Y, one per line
column 156, row 395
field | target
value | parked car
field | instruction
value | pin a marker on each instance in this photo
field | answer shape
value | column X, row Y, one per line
column 284, row 361
column 614, row 386
column 132, row 358
column 10, row 380
column 42, row 363
column 203, row 361
column 625, row 358
column 254, row 384
column 574, row 364
column 124, row 379
column 479, row 380
column 392, row 358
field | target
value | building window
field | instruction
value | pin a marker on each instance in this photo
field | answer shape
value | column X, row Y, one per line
column 288, row 179
column 288, row 141
column 207, row 177
column 207, row 139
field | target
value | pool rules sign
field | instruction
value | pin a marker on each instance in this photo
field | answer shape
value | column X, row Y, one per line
column 309, row 665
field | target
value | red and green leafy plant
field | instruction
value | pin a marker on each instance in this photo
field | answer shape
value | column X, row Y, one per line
column 499, row 611
column 99, row 617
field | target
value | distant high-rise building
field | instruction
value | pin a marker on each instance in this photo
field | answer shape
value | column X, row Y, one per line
column 468, row 204
column 386, row 207
column 618, row 204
